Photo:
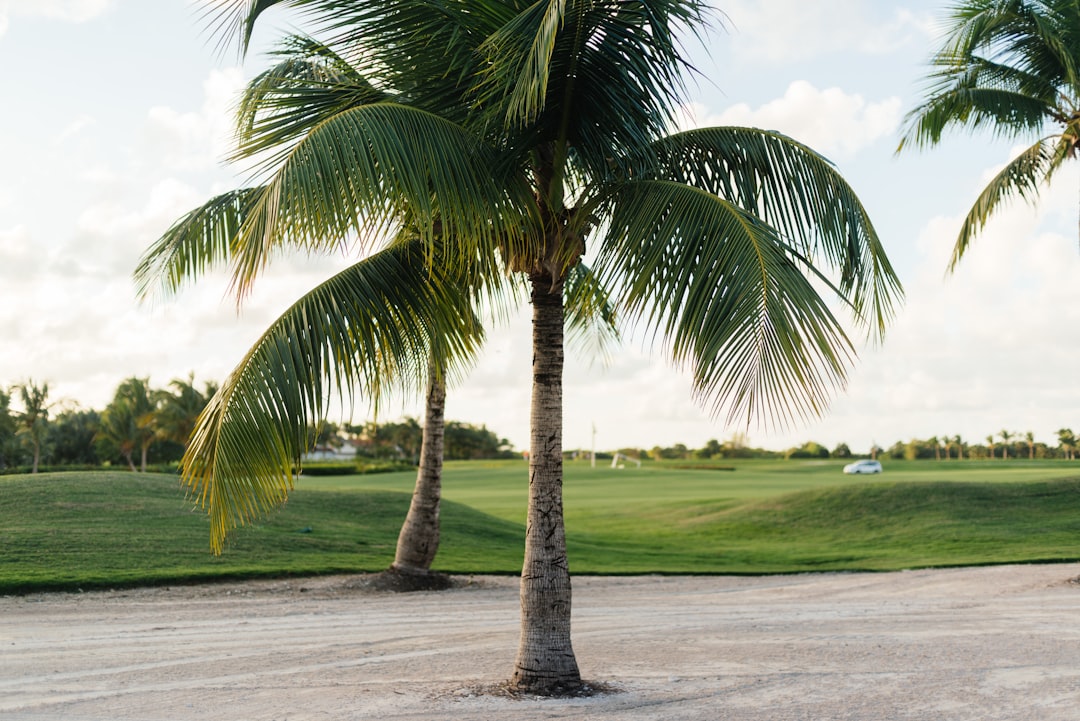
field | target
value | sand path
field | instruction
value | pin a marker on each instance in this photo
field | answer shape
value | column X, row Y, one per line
column 984, row 643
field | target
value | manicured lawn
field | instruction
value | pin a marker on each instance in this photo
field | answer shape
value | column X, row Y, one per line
column 83, row 530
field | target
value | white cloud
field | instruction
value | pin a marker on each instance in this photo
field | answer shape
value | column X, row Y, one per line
column 199, row 140
column 781, row 31
column 18, row 256
column 830, row 121
column 73, row 128
column 75, row 11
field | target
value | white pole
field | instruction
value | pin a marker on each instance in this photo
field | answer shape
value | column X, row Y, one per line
column 594, row 445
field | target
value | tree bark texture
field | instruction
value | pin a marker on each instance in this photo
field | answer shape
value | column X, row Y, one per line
column 545, row 660
column 418, row 541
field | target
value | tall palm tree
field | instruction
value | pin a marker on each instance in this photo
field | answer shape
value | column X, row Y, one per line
column 990, row 442
column 709, row 236
column 1029, row 438
column 1012, row 66
column 959, row 447
column 34, row 419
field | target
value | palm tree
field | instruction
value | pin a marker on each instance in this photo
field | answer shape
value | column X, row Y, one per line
column 959, row 447
column 1029, row 437
column 707, row 235
column 129, row 421
column 34, row 419
column 8, row 443
column 990, row 442
column 936, row 443
column 1067, row 441
column 178, row 410
column 1012, row 66
column 1006, row 437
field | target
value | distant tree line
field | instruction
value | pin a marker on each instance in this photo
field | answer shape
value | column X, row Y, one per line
column 141, row 427
column 401, row 440
column 145, row 427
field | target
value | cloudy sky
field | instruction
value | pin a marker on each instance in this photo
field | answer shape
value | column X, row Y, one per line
column 117, row 117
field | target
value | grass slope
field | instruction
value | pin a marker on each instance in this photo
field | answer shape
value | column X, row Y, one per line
column 85, row 530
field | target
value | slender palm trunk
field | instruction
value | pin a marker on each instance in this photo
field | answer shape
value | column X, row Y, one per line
column 37, row 455
column 419, row 538
column 545, row 659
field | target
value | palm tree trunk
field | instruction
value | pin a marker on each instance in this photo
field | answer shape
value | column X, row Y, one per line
column 419, row 538
column 545, row 659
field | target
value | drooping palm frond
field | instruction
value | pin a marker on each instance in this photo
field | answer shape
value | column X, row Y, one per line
column 372, row 327
column 1010, row 67
column 1022, row 177
column 793, row 189
column 200, row 240
column 729, row 296
column 591, row 315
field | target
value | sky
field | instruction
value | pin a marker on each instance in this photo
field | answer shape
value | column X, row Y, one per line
column 117, row 118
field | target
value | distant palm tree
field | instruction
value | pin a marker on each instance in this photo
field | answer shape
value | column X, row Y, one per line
column 178, row 410
column 936, row 443
column 34, row 419
column 1012, row 66
column 990, row 442
column 959, row 447
column 1030, row 438
column 1006, row 437
column 1067, row 442
column 129, row 420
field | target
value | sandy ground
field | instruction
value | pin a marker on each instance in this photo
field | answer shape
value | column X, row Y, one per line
column 987, row 643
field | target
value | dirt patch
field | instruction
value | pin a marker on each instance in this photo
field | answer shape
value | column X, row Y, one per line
column 979, row 643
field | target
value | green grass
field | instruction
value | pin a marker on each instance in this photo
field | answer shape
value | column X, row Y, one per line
column 87, row 530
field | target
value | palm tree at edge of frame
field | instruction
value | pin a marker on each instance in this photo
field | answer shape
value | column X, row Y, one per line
column 1013, row 68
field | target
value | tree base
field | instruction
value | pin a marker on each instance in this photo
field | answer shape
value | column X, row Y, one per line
column 582, row 689
column 402, row 581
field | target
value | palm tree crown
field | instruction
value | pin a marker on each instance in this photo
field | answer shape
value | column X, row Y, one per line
column 1012, row 66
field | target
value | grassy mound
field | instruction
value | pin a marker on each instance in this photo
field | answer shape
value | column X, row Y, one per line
column 91, row 530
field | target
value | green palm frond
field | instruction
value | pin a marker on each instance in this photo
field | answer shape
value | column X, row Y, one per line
column 795, row 190
column 591, row 316
column 372, row 327
column 310, row 84
column 613, row 77
column 200, row 240
column 366, row 169
column 729, row 297
column 1021, row 178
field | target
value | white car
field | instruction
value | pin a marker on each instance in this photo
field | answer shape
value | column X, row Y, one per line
column 863, row 467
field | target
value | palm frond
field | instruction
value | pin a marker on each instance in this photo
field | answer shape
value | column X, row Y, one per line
column 591, row 316
column 310, row 84
column 613, row 77
column 369, row 168
column 727, row 293
column 797, row 192
column 1020, row 178
column 372, row 327
column 197, row 242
